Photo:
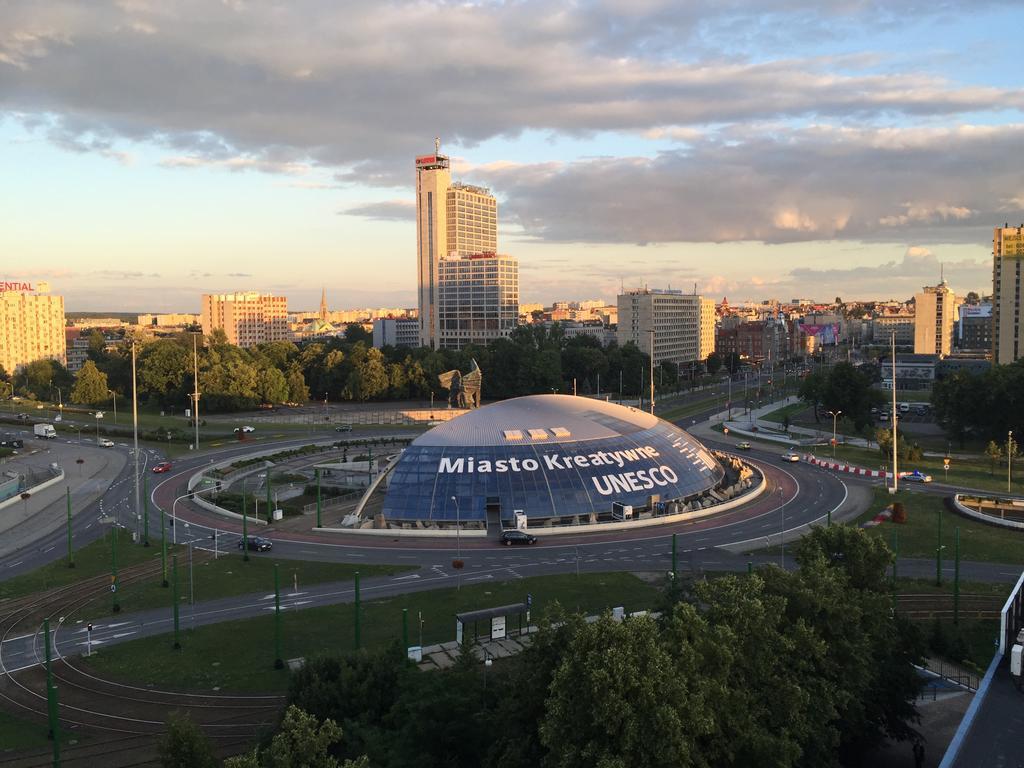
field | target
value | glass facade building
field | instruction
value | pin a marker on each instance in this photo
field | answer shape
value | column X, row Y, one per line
column 546, row 456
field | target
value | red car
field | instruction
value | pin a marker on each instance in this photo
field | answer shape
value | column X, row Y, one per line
column 163, row 466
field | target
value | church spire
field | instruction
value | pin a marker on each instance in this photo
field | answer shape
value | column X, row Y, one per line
column 323, row 304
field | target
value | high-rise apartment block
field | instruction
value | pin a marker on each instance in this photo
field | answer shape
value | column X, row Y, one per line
column 478, row 299
column 674, row 316
column 1007, row 258
column 31, row 325
column 457, row 221
column 247, row 319
column 934, row 314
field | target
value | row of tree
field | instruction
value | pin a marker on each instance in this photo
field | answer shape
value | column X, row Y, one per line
column 533, row 360
column 808, row 668
column 843, row 387
column 986, row 406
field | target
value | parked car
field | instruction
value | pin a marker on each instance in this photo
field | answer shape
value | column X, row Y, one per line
column 11, row 442
column 744, row 446
column 266, row 406
column 163, row 466
column 256, row 544
column 790, row 456
column 105, row 442
column 917, row 476
column 246, row 429
column 343, row 428
column 512, row 536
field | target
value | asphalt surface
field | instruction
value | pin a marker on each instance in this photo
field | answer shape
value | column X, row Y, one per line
column 798, row 495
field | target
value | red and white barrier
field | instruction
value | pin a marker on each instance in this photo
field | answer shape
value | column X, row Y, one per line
column 837, row 467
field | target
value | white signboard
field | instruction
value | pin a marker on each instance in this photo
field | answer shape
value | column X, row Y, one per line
column 497, row 628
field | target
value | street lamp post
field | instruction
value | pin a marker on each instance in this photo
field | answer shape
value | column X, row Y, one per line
column 782, row 531
column 458, row 529
column 1009, row 458
column 97, row 416
column 835, row 416
column 113, row 394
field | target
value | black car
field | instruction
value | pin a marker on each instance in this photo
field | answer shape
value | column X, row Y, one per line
column 510, row 537
column 257, row 544
column 11, row 442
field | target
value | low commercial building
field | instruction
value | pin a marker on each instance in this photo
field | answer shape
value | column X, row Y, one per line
column 912, row 371
column 396, row 332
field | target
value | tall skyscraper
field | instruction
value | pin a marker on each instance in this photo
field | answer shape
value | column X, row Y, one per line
column 934, row 312
column 451, row 220
column 247, row 319
column 1007, row 255
column 31, row 325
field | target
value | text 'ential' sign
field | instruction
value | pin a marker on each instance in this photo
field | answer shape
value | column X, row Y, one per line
column 638, row 480
column 22, row 286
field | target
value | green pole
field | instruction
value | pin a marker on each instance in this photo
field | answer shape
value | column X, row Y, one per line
column 956, row 575
column 163, row 549
column 895, row 564
column 319, row 505
column 245, row 528
column 357, row 632
column 278, row 661
column 71, row 551
column 113, row 569
column 938, row 553
column 51, row 695
column 174, row 592
column 750, row 568
column 145, row 511
column 405, row 628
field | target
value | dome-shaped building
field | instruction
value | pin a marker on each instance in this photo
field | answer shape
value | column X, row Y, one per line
column 555, row 458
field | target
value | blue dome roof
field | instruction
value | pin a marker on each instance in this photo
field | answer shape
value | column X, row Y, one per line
column 547, row 456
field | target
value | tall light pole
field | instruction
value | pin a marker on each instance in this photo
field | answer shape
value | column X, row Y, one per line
column 782, row 531
column 1009, row 458
column 113, row 394
column 195, row 379
column 835, row 415
column 895, row 469
column 98, row 415
column 651, row 331
column 135, row 442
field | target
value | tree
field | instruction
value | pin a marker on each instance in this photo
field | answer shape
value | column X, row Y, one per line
column 90, row 385
column 271, row 386
column 298, row 392
column 183, row 745
column 97, row 345
column 40, row 378
column 713, row 363
column 812, row 390
column 162, row 368
column 995, row 452
column 4, row 375
column 355, row 333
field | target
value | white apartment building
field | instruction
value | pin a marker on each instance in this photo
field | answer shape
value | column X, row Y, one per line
column 934, row 313
column 396, row 332
column 1007, row 260
column 676, row 319
column 247, row 319
column 31, row 325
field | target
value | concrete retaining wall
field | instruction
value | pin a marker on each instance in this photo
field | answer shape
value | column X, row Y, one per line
column 33, row 490
column 965, row 510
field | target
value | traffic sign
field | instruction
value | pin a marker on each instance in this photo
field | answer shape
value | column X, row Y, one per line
column 529, row 600
column 945, row 462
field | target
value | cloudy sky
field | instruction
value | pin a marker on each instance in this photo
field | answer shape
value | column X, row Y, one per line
column 151, row 151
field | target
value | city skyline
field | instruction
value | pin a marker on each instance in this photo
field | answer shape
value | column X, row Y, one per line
column 754, row 152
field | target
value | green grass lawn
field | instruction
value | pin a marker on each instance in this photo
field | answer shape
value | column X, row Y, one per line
column 919, row 536
column 226, row 576
column 239, row 655
column 684, row 411
column 792, row 411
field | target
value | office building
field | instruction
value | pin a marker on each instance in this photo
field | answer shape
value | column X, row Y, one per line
column 478, row 299
column 171, row 320
column 396, row 332
column 247, row 319
column 1007, row 255
column 451, row 220
column 901, row 323
column 676, row 319
column 974, row 329
column 31, row 325
column 706, row 328
column 934, row 313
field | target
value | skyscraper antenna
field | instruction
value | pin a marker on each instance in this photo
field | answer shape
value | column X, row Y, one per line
column 437, row 145
column 942, row 274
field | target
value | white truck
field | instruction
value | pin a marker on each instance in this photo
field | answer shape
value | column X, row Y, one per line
column 44, row 431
